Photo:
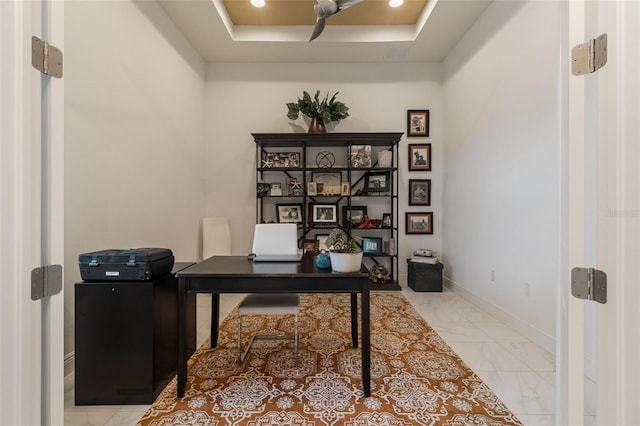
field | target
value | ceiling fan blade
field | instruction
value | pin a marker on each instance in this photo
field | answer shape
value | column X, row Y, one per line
column 317, row 29
column 343, row 4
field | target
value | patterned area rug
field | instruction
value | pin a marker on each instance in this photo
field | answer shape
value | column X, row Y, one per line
column 416, row 378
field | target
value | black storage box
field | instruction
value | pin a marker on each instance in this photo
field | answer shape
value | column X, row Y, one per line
column 425, row 276
column 142, row 264
column 126, row 339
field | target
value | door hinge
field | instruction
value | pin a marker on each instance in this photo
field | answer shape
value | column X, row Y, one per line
column 589, row 284
column 590, row 56
column 46, row 281
column 46, row 58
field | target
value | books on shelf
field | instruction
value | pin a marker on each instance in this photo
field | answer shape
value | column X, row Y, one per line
column 432, row 260
column 424, row 253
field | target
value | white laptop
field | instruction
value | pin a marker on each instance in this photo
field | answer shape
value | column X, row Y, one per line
column 276, row 242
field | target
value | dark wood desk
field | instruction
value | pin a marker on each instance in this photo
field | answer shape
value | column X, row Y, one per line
column 235, row 274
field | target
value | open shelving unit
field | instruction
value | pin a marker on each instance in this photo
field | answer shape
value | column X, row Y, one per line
column 312, row 156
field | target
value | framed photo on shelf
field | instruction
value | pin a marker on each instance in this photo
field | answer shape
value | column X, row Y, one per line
column 360, row 156
column 419, row 192
column 417, row 122
column 387, row 221
column 281, row 160
column 289, row 213
column 372, row 245
column 276, row 189
column 310, row 246
column 263, row 189
column 419, row 223
column 345, row 188
column 322, row 241
column 377, row 181
column 328, row 183
column 420, row 157
column 312, row 188
column 353, row 215
column 324, row 213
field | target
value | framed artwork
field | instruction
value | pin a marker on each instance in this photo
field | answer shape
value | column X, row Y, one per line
column 264, row 189
column 387, row 220
column 360, row 156
column 281, row 160
column 289, row 213
column 372, row 245
column 276, row 189
column 353, row 215
column 324, row 213
column 420, row 157
column 312, row 188
column 327, row 183
column 417, row 122
column 295, row 187
column 419, row 192
column 377, row 181
column 322, row 241
column 310, row 246
column 345, row 188
column 419, row 223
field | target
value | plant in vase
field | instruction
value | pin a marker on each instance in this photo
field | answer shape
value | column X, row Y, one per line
column 319, row 111
column 344, row 252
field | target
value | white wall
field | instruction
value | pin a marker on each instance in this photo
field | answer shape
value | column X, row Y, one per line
column 134, row 135
column 502, row 164
column 251, row 98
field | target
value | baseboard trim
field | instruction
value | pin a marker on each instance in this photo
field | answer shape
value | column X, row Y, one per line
column 69, row 363
column 538, row 337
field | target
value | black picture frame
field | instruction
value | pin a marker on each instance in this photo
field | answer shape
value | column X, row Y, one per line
column 377, row 182
column 281, row 160
column 387, row 220
column 310, row 246
column 289, row 213
column 372, row 246
column 417, row 123
column 419, row 192
column 348, row 214
column 418, row 223
column 419, row 157
column 324, row 214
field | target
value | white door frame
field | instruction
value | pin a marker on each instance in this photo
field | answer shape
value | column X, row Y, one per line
column 31, row 389
column 607, row 180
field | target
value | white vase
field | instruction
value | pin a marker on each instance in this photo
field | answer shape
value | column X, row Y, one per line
column 345, row 262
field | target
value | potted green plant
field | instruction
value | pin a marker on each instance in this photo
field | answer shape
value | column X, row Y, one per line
column 344, row 252
column 320, row 111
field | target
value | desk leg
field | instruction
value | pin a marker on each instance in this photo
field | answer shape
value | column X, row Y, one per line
column 366, row 340
column 215, row 318
column 182, row 330
column 354, row 319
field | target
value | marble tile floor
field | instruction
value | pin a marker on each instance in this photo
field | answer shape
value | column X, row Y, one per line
column 517, row 370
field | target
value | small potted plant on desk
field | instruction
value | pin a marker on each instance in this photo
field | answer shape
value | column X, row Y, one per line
column 345, row 254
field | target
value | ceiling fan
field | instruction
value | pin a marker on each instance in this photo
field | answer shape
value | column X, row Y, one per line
column 326, row 8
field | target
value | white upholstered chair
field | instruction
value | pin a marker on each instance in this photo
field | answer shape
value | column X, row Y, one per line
column 270, row 303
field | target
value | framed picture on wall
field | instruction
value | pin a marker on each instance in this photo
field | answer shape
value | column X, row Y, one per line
column 420, row 157
column 419, row 192
column 417, row 122
column 418, row 223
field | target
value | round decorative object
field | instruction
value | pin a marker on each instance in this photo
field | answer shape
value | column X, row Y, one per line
column 323, row 261
column 325, row 159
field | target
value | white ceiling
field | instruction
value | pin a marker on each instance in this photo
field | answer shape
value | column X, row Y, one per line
column 213, row 35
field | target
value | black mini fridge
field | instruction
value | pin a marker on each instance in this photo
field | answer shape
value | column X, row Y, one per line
column 126, row 339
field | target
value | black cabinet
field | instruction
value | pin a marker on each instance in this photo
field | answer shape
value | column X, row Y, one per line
column 424, row 276
column 126, row 340
column 324, row 180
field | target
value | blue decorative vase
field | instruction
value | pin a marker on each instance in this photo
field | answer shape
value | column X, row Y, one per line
column 323, row 261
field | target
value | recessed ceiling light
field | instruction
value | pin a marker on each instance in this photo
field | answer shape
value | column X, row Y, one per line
column 395, row 3
column 258, row 3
